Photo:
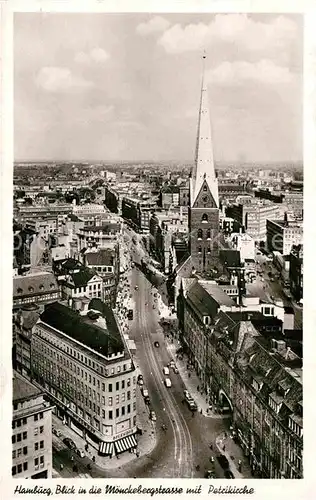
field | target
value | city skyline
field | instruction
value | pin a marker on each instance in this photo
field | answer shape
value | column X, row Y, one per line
column 125, row 87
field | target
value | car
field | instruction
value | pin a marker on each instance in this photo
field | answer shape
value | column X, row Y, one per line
column 186, row 394
column 156, row 344
column 152, row 416
column 175, row 370
column 168, row 382
column 136, row 287
column 223, row 461
column 140, row 380
column 166, row 370
column 145, row 392
column 147, row 400
column 80, row 452
column 192, row 405
column 228, row 474
column 69, row 442
column 154, row 307
column 172, row 363
column 57, row 432
column 209, row 474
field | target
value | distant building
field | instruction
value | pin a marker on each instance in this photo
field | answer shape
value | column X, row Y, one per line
column 283, row 234
column 82, row 362
column 99, row 236
column 253, row 217
column 296, row 272
column 169, row 196
column 245, row 244
column 138, row 212
column 105, row 262
column 31, row 432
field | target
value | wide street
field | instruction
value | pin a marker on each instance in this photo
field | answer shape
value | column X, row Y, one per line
column 186, row 441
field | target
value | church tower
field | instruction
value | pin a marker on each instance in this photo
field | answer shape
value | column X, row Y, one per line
column 204, row 204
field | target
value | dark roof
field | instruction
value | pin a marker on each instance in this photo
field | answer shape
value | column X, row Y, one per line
column 23, row 389
column 103, row 257
column 170, row 189
column 103, row 341
column 34, row 284
column 68, row 264
column 201, row 300
column 230, row 258
column 82, row 277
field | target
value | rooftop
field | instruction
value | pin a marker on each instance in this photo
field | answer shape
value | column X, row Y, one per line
column 104, row 341
column 23, row 389
column 35, row 283
column 216, row 292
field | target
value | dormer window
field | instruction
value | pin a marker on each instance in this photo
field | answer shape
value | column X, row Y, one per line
column 275, row 405
column 204, row 218
column 31, row 289
column 19, row 290
column 207, row 320
column 41, row 287
column 295, row 427
column 256, row 385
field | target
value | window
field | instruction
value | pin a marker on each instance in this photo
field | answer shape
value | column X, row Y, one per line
column 123, row 410
column 13, row 439
column 204, row 218
column 35, row 446
column 25, row 466
column 110, row 401
column 25, row 450
column 208, row 234
column 18, row 438
column 117, row 386
column 36, row 462
column 110, row 387
column 41, row 429
column 128, row 408
column 19, row 468
column 123, row 384
column 200, row 234
column 124, row 368
column 25, row 435
column 103, row 413
column 128, row 394
column 35, row 418
column 110, row 414
column 42, row 459
column 129, row 382
column 200, row 249
column 41, row 444
column 14, row 471
column 117, row 412
column 117, row 398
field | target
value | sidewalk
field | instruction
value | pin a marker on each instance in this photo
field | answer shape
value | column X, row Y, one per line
column 227, row 446
column 191, row 381
column 146, row 442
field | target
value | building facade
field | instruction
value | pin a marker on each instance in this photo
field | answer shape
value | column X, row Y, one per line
column 31, row 432
column 282, row 235
column 296, row 272
column 85, row 368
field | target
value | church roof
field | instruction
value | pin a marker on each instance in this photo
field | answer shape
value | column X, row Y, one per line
column 204, row 159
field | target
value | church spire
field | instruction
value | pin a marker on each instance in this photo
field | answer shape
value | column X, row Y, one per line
column 204, row 161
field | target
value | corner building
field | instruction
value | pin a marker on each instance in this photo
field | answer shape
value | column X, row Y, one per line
column 83, row 364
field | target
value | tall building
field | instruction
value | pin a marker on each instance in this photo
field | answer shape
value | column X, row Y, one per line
column 31, row 431
column 84, row 366
column 204, row 204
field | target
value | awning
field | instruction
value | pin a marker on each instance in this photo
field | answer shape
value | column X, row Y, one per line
column 106, row 448
column 125, row 444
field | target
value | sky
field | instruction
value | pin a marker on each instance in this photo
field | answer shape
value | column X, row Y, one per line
column 127, row 86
